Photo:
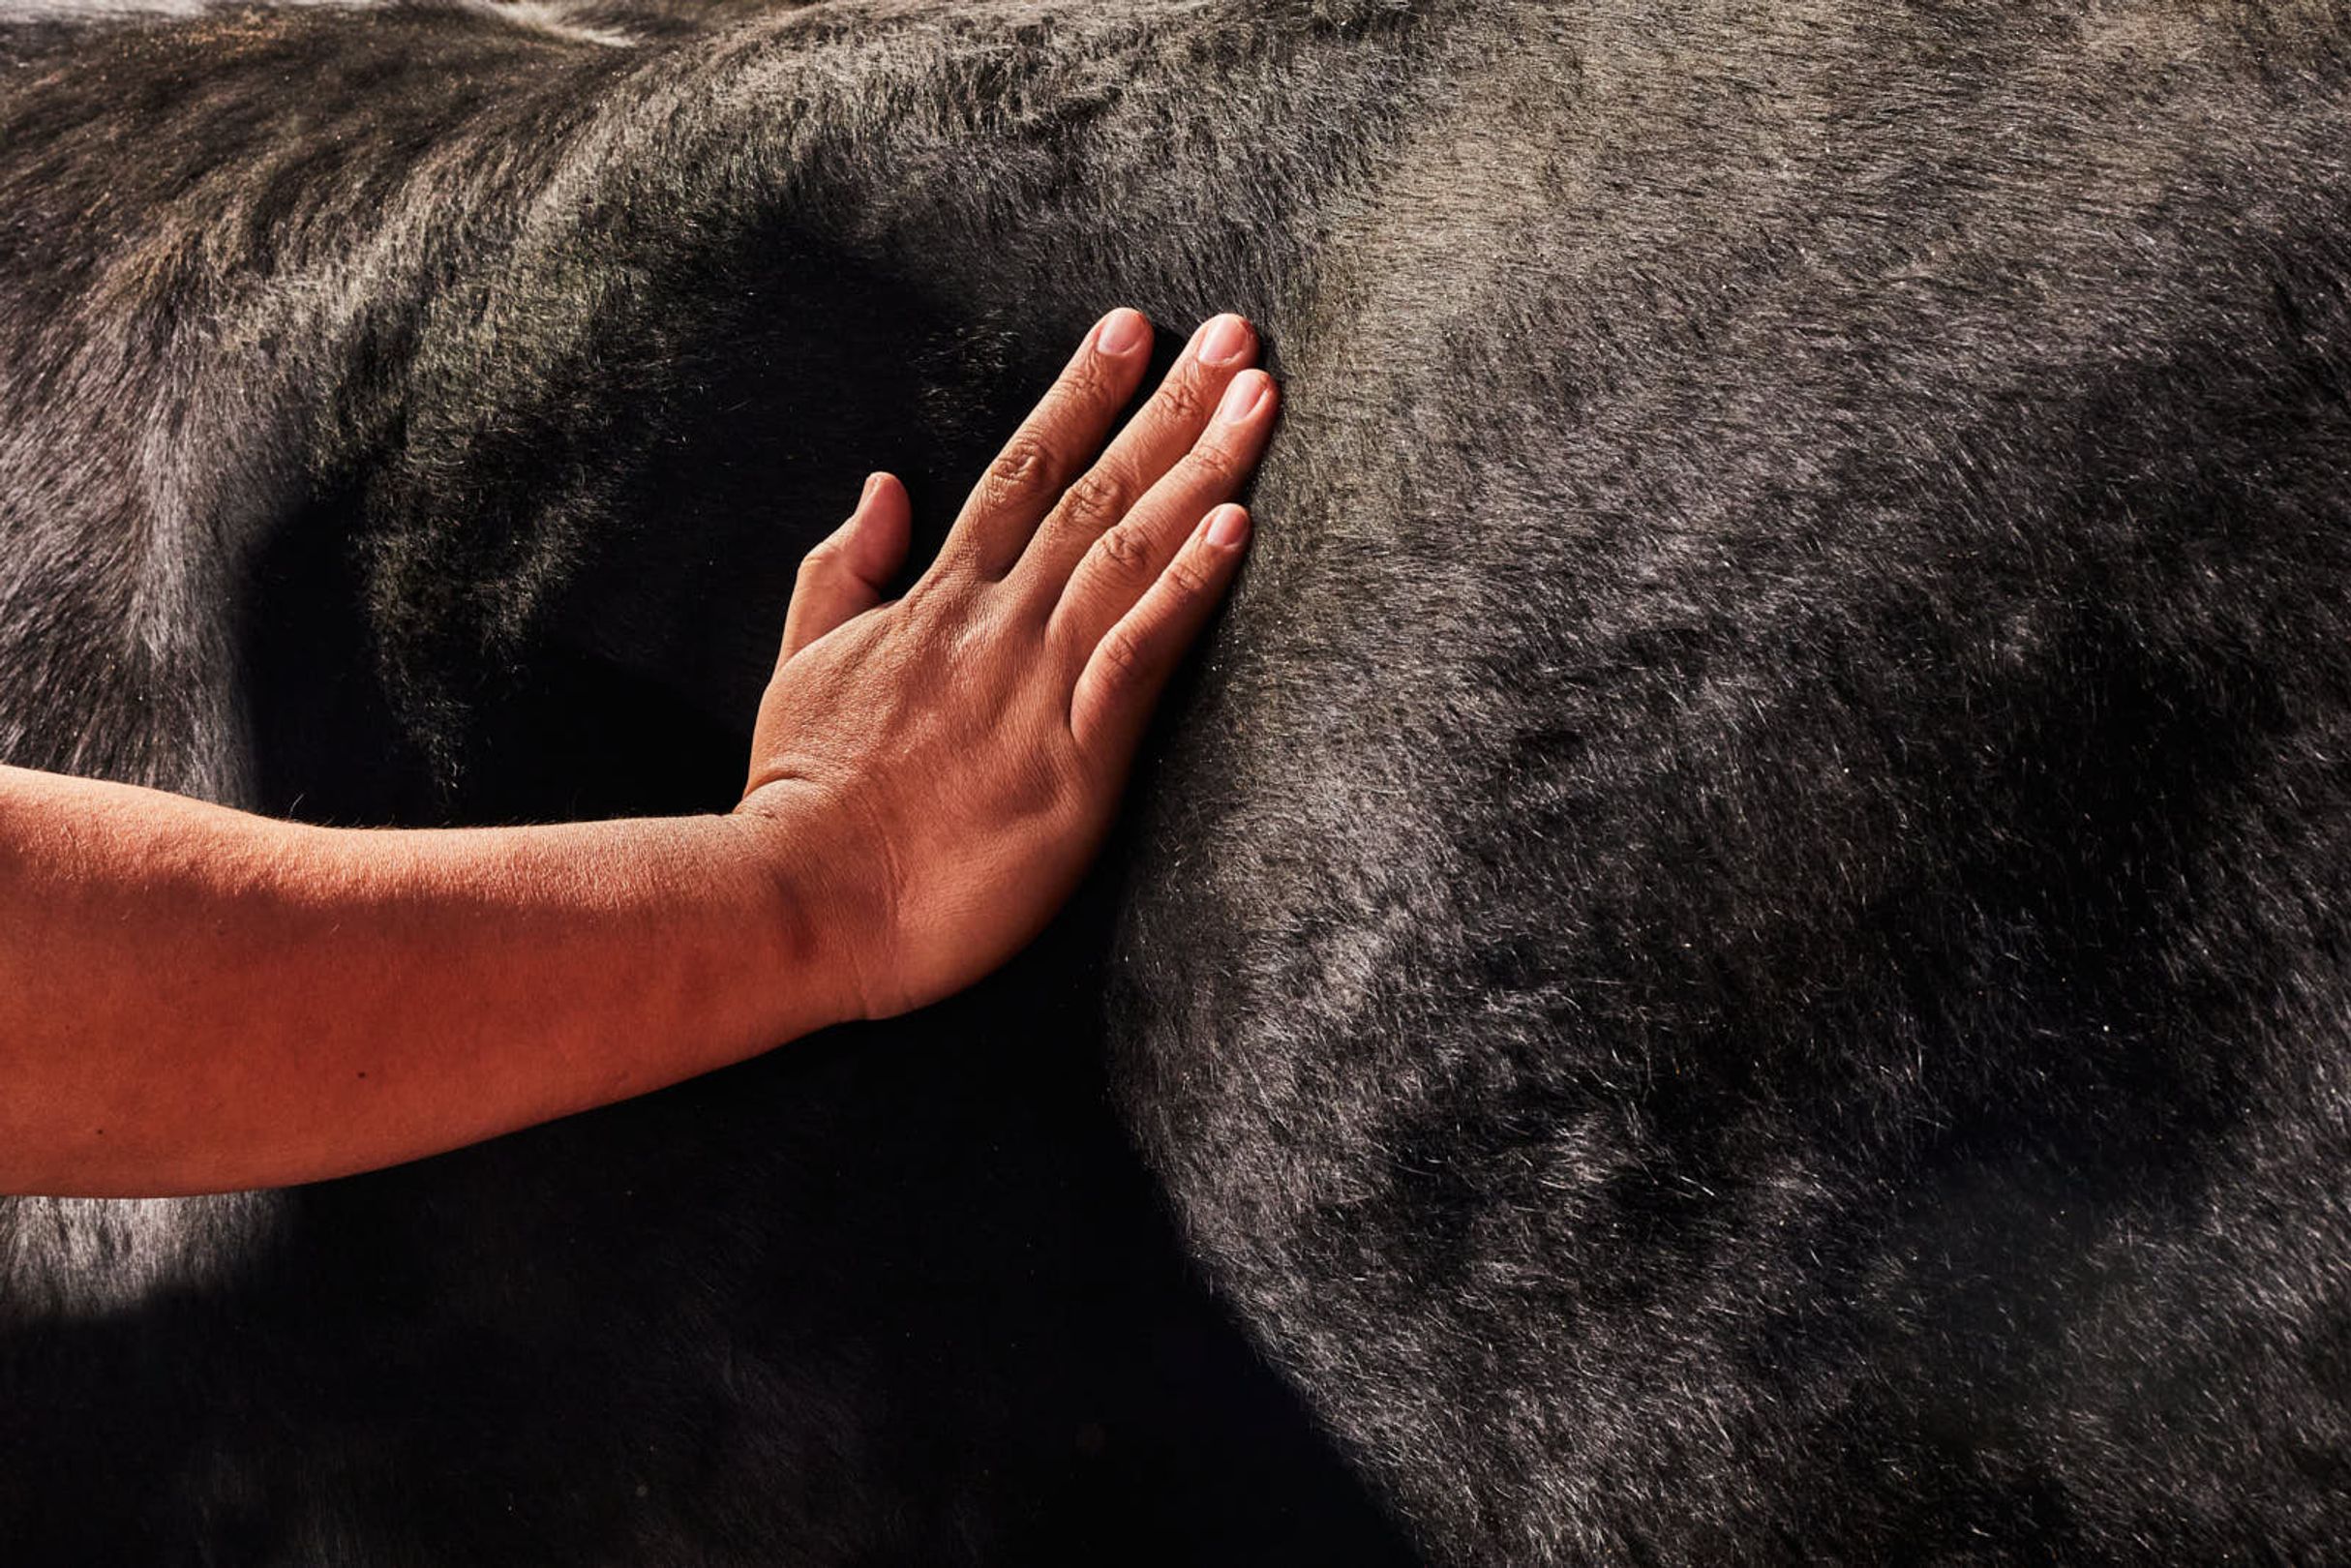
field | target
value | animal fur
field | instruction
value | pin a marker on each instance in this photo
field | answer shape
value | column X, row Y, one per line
column 1736, row 952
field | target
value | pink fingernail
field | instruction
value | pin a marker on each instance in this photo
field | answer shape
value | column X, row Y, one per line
column 1121, row 332
column 1226, row 341
column 1227, row 526
column 1242, row 398
column 873, row 482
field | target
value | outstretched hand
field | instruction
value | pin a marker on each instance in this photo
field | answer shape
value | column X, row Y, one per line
column 929, row 777
column 960, row 752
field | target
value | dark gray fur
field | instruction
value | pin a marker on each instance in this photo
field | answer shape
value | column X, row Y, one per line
column 1736, row 953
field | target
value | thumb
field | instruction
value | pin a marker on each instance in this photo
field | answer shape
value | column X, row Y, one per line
column 844, row 574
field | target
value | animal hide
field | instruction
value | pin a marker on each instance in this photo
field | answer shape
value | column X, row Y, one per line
column 1735, row 949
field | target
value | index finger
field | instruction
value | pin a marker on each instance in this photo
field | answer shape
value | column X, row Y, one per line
column 1051, row 446
column 1139, row 456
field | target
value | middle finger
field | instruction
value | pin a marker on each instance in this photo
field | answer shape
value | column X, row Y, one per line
column 1153, row 442
column 1027, row 476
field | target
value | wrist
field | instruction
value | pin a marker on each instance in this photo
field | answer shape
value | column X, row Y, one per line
column 828, row 892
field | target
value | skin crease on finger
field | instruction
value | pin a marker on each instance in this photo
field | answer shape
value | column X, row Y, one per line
column 929, row 778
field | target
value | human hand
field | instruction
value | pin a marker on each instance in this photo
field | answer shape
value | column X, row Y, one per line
column 954, row 757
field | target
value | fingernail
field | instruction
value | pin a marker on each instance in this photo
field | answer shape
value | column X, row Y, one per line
column 1120, row 333
column 1228, row 340
column 1227, row 526
column 1242, row 398
column 873, row 482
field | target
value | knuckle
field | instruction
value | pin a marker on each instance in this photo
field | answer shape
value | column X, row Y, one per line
column 1188, row 577
column 1088, row 381
column 1213, row 464
column 1094, row 502
column 1125, row 550
column 1185, row 398
column 1121, row 655
column 1024, row 468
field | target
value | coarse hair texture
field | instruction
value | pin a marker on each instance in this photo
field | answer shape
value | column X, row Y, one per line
column 1735, row 951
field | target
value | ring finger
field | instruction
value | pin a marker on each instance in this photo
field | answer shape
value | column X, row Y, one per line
column 1153, row 441
column 1119, row 566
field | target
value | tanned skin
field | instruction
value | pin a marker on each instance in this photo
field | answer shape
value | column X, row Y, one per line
column 196, row 998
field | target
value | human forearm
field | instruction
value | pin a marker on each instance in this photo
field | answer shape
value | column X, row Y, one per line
column 195, row 999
